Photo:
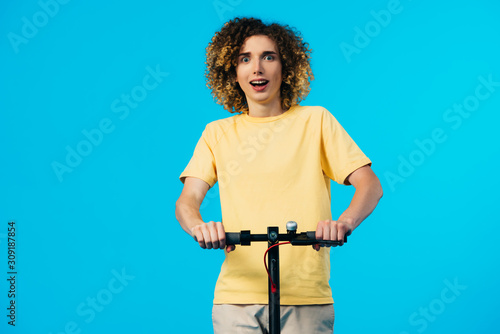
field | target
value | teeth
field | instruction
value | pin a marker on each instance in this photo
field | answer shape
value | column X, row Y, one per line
column 259, row 82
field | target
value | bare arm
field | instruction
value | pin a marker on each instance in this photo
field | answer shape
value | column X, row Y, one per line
column 187, row 208
column 187, row 211
column 368, row 193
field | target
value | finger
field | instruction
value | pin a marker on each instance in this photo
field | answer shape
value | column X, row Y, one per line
column 221, row 234
column 198, row 236
column 319, row 231
column 230, row 248
column 342, row 233
column 193, row 233
column 206, row 236
column 316, row 247
column 333, row 231
column 212, row 229
column 327, row 233
column 340, row 236
column 325, row 230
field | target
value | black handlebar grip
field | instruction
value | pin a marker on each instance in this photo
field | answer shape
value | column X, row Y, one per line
column 232, row 238
column 312, row 235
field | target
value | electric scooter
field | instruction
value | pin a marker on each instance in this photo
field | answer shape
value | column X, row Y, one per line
column 274, row 239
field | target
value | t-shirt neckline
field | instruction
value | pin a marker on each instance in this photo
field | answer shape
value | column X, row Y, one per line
column 270, row 118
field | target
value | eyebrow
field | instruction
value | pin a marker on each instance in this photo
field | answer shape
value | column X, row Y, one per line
column 265, row 53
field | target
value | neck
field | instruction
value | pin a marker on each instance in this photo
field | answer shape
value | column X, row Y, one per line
column 265, row 110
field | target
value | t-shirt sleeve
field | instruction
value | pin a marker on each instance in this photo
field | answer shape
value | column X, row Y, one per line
column 202, row 163
column 340, row 156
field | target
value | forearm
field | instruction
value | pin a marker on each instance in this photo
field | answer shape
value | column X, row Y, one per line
column 209, row 235
column 363, row 203
column 188, row 215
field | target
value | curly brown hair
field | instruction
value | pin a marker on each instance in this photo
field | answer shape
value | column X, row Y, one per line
column 222, row 53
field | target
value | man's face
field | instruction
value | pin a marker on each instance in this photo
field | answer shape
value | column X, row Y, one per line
column 259, row 71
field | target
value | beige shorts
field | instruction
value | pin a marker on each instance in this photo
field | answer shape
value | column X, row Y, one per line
column 243, row 319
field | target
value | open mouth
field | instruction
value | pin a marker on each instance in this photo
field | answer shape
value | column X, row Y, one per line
column 259, row 83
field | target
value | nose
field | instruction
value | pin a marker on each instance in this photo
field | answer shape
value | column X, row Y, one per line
column 257, row 67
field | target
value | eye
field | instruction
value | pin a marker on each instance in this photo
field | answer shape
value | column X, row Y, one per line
column 245, row 59
column 269, row 57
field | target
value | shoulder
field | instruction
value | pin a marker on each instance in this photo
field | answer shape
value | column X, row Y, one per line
column 216, row 129
column 313, row 113
column 318, row 118
column 221, row 125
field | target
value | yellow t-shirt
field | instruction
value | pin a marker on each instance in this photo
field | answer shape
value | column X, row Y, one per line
column 272, row 170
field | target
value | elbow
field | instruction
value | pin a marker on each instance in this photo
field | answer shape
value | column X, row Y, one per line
column 178, row 208
column 375, row 187
column 380, row 191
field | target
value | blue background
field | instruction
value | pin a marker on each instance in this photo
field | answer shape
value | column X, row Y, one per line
column 65, row 69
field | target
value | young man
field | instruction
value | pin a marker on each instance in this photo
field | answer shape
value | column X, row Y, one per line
column 274, row 161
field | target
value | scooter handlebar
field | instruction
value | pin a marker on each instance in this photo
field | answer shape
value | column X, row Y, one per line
column 304, row 238
column 232, row 238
